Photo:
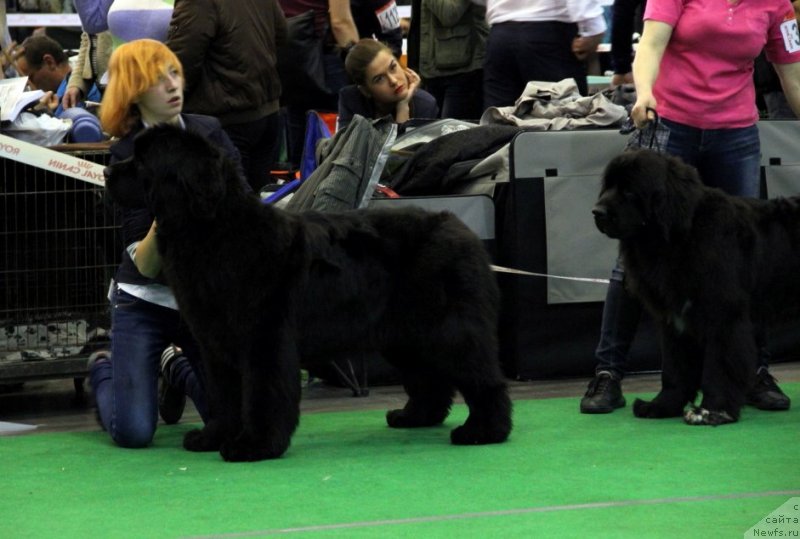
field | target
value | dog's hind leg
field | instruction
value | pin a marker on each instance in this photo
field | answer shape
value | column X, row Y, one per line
column 430, row 397
column 681, row 368
column 489, row 420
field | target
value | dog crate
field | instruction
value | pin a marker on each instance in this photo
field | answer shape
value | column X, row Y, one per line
column 59, row 246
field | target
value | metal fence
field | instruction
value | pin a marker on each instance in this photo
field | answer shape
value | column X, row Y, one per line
column 59, row 247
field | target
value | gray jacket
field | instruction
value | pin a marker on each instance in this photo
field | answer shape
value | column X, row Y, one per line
column 351, row 165
column 452, row 37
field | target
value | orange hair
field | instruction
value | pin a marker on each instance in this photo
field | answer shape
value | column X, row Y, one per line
column 133, row 68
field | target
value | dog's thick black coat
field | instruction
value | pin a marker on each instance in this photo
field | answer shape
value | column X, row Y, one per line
column 712, row 268
column 265, row 291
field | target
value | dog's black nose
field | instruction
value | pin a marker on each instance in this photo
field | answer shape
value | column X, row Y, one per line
column 601, row 218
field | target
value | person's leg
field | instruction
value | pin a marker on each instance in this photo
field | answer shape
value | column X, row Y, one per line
column 126, row 388
column 621, row 315
column 258, row 143
column 187, row 372
column 546, row 55
column 502, row 83
column 463, row 96
column 730, row 159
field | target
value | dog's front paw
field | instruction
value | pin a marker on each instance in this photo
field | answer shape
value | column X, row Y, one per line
column 468, row 435
column 200, row 440
column 700, row 416
column 642, row 408
column 403, row 419
column 247, row 449
column 655, row 409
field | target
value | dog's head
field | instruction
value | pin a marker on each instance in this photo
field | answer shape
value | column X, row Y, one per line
column 175, row 173
column 644, row 191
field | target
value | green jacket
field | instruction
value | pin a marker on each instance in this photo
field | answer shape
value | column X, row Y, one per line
column 452, row 37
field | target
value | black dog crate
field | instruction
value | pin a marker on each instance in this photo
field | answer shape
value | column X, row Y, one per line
column 59, row 248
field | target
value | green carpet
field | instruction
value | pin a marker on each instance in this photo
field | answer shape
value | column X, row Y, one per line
column 562, row 474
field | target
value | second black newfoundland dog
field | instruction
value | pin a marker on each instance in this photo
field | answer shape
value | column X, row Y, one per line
column 710, row 267
column 265, row 291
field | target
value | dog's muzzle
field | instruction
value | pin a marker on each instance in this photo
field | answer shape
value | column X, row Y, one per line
column 602, row 219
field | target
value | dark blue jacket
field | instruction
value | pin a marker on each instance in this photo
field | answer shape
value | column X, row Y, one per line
column 352, row 101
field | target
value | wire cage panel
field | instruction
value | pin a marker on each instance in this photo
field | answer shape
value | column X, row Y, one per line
column 59, row 248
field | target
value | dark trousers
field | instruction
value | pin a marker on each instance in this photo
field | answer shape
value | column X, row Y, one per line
column 297, row 106
column 458, row 96
column 520, row 52
column 258, row 143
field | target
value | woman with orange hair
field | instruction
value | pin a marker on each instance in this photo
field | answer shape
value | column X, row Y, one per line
column 145, row 88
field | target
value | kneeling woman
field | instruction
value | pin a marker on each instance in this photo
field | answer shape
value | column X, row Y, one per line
column 382, row 87
column 145, row 88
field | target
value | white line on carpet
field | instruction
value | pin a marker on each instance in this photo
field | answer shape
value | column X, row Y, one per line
column 506, row 512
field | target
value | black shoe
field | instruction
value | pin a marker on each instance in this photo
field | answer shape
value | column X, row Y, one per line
column 766, row 395
column 603, row 396
column 171, row 400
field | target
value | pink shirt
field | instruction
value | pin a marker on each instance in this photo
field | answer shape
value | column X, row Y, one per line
column 706, row 75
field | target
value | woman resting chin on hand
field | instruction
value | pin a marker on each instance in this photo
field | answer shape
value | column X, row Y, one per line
column 382, row 87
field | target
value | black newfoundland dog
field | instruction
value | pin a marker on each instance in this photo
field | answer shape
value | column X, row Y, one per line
column 710, row 267
column 265, row 291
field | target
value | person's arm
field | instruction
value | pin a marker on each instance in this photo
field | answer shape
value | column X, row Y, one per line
column 646, row 65
column 590, row 34
column 191, row 31
column 622, row 24
column 76, row 86
column 147, row 260
column 343, row 26
column 402, row 111
column 790, row 82
column 93, row 14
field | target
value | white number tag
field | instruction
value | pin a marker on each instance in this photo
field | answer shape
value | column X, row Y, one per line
column 388, row 16
column 791, row 37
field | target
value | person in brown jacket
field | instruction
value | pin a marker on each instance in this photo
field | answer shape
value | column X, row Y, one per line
column 228, row 53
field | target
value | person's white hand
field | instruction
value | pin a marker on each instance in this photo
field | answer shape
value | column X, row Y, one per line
column 640, row 112
column 414, row 81
column 71, row 97
column 583, row 46
column 47, row 103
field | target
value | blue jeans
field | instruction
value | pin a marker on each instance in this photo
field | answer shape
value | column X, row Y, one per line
column 729, row 159
column 126, row 388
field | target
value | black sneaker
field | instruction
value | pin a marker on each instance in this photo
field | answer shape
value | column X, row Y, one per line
column 766, row 395
column 171, row 400
column 603, row 396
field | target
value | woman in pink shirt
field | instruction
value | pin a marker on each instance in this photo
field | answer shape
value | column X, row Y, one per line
column 694, row 67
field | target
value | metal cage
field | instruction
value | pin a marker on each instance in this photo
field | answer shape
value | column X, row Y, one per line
column 59, row 247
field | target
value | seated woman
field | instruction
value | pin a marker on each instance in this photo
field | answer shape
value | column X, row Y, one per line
column 145, row 88
column 382, row 87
